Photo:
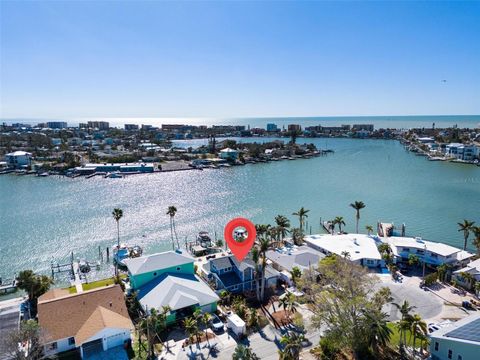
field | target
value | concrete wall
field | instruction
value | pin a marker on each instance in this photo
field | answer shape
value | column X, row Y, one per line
column 465, row 350
column 139, row 280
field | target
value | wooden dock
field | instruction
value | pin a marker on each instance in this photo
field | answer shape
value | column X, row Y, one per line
column 9, row 287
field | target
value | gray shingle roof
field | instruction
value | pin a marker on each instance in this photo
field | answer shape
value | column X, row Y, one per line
column 221, row 263
column 158, row 261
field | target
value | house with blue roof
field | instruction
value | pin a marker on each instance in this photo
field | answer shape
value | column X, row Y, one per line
column 168, row 279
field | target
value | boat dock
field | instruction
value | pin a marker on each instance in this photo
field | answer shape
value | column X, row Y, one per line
column 9, row 287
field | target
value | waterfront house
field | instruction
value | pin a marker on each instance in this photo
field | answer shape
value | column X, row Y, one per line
column 18, row 159
column 90, row 322
column 168, row 279
column 432, row 253
column 459, row 341
column 236, row 276
column 229, row 154
column 359, row 248
column 473, row 269
column 302, row 257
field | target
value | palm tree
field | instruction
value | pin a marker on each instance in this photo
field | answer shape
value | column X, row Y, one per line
column 378, row 333
column 205, row 318
column 296, row 274
column 339, row 220
column 264, row 247
column 302, row 215
column 468, row 279
column 404, row 324
column 117, row 215
column 297, row 236
column 172, row 210
column 283, row 224
column 256, row 260
column 191, row 327
column 290, row 304
column 466, row 227
column 369, row 229
column 292, row 345
column 243, row 352
column 418, row 327
column 357, row 205
column 261, row 229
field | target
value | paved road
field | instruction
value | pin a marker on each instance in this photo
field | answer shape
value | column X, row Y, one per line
column 8, row 322
column 427, row 305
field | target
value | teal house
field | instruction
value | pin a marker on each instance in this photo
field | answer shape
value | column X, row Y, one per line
column 168, row 279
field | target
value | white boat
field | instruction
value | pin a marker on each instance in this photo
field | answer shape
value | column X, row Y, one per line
column 122, row 252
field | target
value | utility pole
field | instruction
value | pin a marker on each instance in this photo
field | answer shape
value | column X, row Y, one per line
column 424, row 256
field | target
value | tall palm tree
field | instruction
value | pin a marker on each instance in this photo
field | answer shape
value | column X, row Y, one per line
column 257, row 273
column 339, row 220
column 404, row 325
column 357, row 205
column 290, row 304
column 292, row 345
column 205, row 318
column 117, row 215
column 172, row 210
column 302, row 215
column 468, row 279
column 418, row 327
column 283, row 224
column 466, row 227
column 264, row 247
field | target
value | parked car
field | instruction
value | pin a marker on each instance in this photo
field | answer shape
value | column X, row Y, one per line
column 216, row 324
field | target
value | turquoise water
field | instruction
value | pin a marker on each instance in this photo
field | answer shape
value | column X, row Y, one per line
column 41, row 218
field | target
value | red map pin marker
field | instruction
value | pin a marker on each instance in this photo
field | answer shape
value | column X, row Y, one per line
column 240, row 248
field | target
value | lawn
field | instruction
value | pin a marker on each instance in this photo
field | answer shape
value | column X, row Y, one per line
column 395, row 338
column 95, row 284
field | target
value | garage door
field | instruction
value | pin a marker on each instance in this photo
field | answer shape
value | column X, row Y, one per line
column 115, row 340
column 92, row 347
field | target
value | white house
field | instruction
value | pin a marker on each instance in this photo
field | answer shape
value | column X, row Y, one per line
column 432, row 253
column 229, row 154
column 91, row 321
column 362, row 249
column 18, row 159
column 472, row 268
column 459, row 341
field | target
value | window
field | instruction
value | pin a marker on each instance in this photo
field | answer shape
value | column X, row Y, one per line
column 154, row 274
column 178, row 268
column 71, row 341
column 436, row 346
column 450, row 354
column 406, row 249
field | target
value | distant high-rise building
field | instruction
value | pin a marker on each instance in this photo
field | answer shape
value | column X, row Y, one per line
column 272, row 127
column 129, row 127
column 57, row 124
column 100, row 125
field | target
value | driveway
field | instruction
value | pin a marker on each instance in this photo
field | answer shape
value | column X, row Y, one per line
column 427, row 304
column 9, row 319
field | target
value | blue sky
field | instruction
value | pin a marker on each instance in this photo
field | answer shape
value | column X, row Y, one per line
column 235, row 59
